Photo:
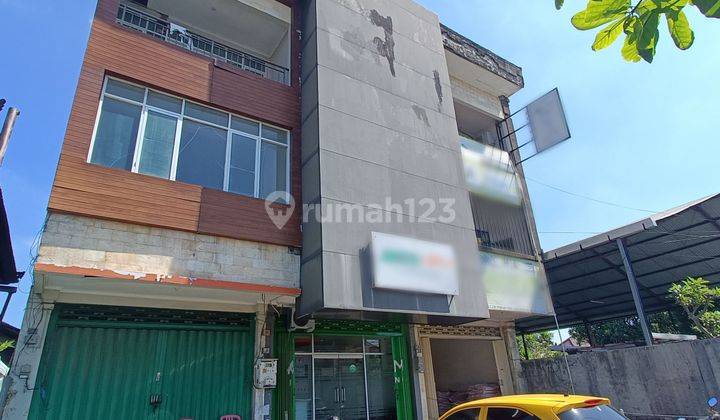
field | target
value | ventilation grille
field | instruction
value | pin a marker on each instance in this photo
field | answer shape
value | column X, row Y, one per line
column 151, row 315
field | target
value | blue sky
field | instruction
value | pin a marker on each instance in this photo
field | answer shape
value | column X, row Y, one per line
column 643, row 135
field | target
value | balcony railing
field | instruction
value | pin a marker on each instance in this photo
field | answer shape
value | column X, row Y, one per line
column 139, row 20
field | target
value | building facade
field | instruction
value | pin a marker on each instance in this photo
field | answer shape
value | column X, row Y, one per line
column 279, row 209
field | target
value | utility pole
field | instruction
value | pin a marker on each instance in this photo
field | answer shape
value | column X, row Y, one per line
column 7, row 128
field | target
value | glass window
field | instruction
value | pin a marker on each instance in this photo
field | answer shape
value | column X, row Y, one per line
column 204, row 151
column 378, row 345
column 346, row 344
column 165, row 102
column 158, row 144
column 380, row 387
column 273, row 172
column 206, row 114
column 504, row 413
column 242, row 165
column 246, row 126
column 201, row 159
column 469, row 414
column 116, row 134
column 303, row 388
column 124, row 90
column 274, row 134
column 601, row 412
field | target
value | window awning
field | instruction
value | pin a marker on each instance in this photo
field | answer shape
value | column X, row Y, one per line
column 587, row 278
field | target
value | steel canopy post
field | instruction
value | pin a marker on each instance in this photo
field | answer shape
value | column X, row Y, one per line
column 635, row 292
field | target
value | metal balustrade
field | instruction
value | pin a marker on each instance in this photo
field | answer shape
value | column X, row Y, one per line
column 134, row 18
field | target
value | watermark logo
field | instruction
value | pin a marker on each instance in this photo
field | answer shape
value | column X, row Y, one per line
column 280, row 206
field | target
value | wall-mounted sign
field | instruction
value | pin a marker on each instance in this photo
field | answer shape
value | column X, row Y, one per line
column 547, row 121
column 413, row 265
column 514, row 284
column 489, row 172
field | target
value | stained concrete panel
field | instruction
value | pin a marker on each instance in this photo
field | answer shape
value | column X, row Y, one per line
column 424, row 31
column 387, row 147
column 351, row 96
column 369, row 67
column 387, row 187
column 386, row 133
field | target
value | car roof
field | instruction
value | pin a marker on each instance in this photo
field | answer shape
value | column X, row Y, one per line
column 545, row 400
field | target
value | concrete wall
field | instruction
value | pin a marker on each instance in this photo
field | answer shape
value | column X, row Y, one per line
column 378, row 125
column 76, row 241
column 670, row 379
column 476, row 98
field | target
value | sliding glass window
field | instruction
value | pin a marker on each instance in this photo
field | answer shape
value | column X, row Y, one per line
column 148, row 132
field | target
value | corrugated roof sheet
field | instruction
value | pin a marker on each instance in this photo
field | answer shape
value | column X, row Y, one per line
column 587, row 279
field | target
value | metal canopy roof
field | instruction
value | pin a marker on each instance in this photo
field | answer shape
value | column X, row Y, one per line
column 587, row 278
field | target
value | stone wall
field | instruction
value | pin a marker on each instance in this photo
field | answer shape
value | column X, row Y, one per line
column 76, row 241
column 671, row 379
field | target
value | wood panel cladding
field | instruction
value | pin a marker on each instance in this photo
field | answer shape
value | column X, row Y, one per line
column 249, row 219
column 97, row 191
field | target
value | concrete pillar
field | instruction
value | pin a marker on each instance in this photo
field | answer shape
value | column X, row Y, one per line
column 19, row 386
column 260, row 326
column 509, row 337
column 419, row 364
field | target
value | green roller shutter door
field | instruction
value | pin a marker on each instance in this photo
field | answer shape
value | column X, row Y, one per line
column 104, row 368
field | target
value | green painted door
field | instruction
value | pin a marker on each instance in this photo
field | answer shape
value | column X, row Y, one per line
column 107, row 369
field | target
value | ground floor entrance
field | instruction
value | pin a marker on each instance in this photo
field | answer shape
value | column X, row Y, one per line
column 103, row 362
column 349, row 371
column 461, row 363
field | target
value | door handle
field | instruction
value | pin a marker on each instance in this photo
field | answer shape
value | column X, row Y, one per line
column 343, row 394
column 337, row 395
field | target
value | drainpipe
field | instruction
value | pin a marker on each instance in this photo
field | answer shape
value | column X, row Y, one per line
column 7, row 128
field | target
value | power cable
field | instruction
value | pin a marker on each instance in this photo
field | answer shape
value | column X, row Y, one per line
column 608, row 203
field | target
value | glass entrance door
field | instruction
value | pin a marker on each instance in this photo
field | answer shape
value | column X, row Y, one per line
column 339, row 387
column 352, row 388
column 345, row 378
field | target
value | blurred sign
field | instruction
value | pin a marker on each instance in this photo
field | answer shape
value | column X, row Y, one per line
column 547, row 121
column 514, row 284
column 489, row 172
column 413, row 265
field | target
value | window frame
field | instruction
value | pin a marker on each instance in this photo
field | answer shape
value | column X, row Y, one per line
column 145, row 108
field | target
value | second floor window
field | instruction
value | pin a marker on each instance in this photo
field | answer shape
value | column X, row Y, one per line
column 148, row 132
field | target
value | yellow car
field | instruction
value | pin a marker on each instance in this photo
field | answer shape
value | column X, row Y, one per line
column 535, row 406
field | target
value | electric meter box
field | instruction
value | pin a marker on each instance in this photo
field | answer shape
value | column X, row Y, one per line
column 266, row 373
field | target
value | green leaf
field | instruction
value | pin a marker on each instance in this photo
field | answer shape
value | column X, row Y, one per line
column 629, row 49
column 600, row 12
column 680, row 30
column 648, row 38
column 559, row 4
column 608, row 35
column 709, row 8
column 633, row 28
